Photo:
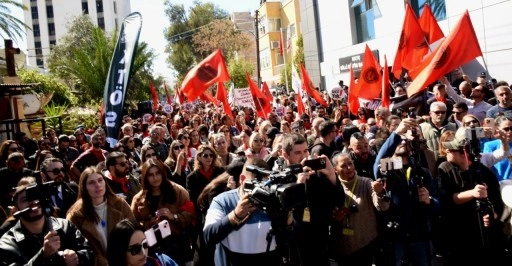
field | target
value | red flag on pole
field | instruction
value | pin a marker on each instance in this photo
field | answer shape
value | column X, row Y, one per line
column 353, row 90
column 428, row 24
column 309, row 88
column 154, row 95
column 222, row 96
column 458, row 48
column 207, row 97
column 266, row 91
column 300, row 105
column 260, row 100
column 385, row 85
column 167, row 94
column 370, row 78
column 411, row 39
column 281, row 42
column 208, row 72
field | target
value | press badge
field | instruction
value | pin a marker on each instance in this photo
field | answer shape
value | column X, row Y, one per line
column 348, row 231
column 305, row 217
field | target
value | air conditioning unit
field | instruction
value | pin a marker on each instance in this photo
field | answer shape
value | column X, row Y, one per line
column 274, row 45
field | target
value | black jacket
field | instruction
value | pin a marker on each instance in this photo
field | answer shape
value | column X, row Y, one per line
column 19, row 247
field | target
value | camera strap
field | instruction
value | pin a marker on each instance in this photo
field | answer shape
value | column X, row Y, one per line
column 348, row 199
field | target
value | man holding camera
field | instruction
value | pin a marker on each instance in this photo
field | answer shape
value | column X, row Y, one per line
column 413, row 198
column 470, row 206
column 238, row 228
column 324, row 193
column 38, row 239
column 52, row 169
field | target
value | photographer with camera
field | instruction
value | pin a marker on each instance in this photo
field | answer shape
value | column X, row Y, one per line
column 412, row 193
column 52, row 169
column 324, row 193
column 39, row 239
column 470, row 206
column 238, row 228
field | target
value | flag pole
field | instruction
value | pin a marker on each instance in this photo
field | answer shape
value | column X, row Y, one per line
column 261, row 108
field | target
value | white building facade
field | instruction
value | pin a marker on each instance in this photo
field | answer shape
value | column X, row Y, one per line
column 345, row 27
column 49, row 19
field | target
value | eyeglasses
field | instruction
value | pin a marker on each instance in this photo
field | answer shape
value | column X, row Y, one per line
column 439, row 112
column 507, row 129
column 136, row 249
column 123, row 164
column 56, row 171
column 467, row 123
column 180, row 147
column 206, row 155
column 150, row 155
column 258, row 140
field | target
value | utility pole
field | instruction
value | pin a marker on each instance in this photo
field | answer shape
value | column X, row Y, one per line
column 257, row 36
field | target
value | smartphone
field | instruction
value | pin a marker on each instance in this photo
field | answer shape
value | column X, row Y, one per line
column 479, row 133
column 489, row 122
column 162, row 229
column 315, row 164
column 388, row 164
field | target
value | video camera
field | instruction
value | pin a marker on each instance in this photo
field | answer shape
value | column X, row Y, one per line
column 279, row 193
column 43, row 193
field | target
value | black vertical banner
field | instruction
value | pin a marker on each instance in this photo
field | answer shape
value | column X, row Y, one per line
column 119, row 75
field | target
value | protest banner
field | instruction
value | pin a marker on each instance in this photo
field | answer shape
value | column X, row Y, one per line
column 243, row 98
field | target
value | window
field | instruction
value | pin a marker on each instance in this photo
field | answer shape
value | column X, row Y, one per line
column 40, row 62
column 101, row 23
column 85, row 8
column 37, row 46
column 263, row 25
column 364, row 17
column 34, row 12
column 265, row 58
column 52, row 43
column 274, row 24
column 99, row 6
column 279, row 58
column 51, row 28
column 49, row 11
column 35, row 30
column 438, row 7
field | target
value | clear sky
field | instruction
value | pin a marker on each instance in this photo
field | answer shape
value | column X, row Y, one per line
column 154, row 22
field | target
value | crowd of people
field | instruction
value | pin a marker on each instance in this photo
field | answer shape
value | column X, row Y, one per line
column 378, row 187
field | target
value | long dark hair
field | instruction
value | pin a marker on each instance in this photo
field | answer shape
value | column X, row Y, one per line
column 167, row 192
column 87, row 206
column 119, row 240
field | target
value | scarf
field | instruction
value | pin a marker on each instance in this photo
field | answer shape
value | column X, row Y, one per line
column 207, row 175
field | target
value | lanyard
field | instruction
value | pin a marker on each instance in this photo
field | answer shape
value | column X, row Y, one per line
column 347, row 200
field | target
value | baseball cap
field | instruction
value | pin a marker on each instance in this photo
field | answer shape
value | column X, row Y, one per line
column 458, row 142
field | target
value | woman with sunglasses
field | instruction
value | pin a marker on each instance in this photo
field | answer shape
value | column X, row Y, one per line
column 8, row 147
column 178, row 164
column 129, row 148
column 97, row 211
column 224, row 129
column 221, row 147
column 184, row 137
column 131, row 248
column 161, row 199
column 147, row 152
column 257, row 147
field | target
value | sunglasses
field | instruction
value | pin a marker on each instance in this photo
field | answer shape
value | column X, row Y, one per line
column 56, row 171
column 185, row 137
column 439, row 112
column 206, row 155
column 258, row 140
column 467, row 123
column 150, row 155
column 507, row 129
column 180, row 147
column 136, row 249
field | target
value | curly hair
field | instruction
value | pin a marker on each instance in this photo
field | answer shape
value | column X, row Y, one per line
column 200, row 151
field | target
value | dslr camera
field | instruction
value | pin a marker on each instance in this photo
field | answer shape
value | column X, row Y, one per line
column 43, row 193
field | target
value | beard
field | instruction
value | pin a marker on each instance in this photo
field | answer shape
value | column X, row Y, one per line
column 30, row 217
column 401, row 150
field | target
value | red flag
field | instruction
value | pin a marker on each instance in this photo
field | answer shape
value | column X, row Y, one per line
column 222, row 96
column 281, row 42
column 411, row 41
column 266, row 91
column 260, row 100
column 154, row 95
column 207, row 97
column 307, row 85
column 353, row 90
column 459, row 47
column 210, row 71
column 167, row 94
column 300, row 105
column 385, row 85
column 370, row 79
column 428, row 24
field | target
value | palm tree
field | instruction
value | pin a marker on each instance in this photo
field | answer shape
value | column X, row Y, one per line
column 10, row 26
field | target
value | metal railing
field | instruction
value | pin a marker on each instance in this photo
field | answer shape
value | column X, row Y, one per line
column 11, row 125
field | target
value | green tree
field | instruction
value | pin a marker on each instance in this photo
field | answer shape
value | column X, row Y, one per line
column 237, row 70
column 10, row 26
column 48, row 84
column 182, row 55
column 83, row 57
column 298, row 58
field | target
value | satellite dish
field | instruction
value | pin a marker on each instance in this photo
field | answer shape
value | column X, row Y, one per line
column 31, row 104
